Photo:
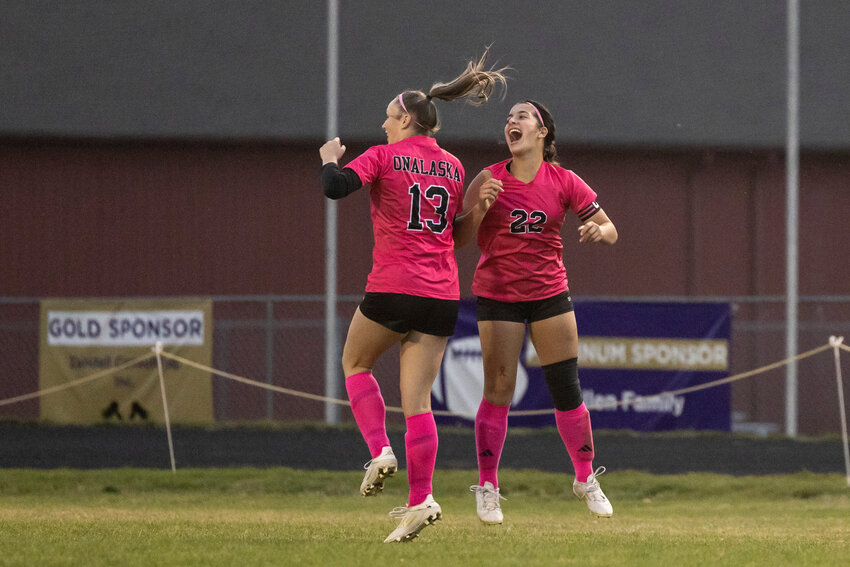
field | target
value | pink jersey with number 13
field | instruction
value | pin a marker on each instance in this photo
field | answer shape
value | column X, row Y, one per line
column 416, row 191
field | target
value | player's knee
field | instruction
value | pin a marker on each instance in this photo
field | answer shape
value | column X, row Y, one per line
column 499, row 392
column 562, row 379
column 352, row 364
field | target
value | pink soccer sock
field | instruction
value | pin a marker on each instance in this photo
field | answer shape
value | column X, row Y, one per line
column 491, row 427
column 369, row 410
column 574, row 427
column 420, row 442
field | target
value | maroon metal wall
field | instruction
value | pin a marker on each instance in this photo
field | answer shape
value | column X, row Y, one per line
column 166, row 219
column 159, row 220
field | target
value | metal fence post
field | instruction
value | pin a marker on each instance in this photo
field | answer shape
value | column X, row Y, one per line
column 269, row 358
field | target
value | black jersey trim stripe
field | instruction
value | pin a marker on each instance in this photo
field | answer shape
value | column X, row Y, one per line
column 588, row 211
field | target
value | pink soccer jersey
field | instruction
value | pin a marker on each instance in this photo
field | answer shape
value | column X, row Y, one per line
column 520, row 236
column 416, row 191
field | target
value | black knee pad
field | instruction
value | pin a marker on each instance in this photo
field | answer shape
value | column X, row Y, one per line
column 562, row 379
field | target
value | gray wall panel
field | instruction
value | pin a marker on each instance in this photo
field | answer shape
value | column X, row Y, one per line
column 614, row 72
column 825, row 73
column 192, row 68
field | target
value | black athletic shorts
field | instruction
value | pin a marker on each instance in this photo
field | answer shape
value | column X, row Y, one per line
column 522, row 311
column 404, row 313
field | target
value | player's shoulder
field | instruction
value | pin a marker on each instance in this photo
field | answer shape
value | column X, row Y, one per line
column 566, row 177
column 435, row 146
column 376, row 151
column 559, row 170
column 380, row 148
column 449, row 156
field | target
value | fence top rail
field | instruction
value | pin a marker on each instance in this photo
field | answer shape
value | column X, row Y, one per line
column 320, row 298
column 714, row 298
column 222, row 298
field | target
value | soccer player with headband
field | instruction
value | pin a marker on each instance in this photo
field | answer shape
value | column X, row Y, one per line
column 518, row 207
column 412, row 292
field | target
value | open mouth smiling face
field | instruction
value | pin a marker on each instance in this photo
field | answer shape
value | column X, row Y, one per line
column 521, row 121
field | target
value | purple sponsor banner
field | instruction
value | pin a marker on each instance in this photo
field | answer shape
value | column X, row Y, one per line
column 630, row 356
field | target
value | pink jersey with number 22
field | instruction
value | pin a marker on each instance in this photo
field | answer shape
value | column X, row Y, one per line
column 416, row 191
column 520, row 236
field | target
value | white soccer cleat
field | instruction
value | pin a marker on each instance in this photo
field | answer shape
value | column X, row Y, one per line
column 487, row 503
column 381, row 467
column 413, row 519
column 592, row 494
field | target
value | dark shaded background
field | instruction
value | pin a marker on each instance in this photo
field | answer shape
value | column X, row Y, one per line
column 307, row 447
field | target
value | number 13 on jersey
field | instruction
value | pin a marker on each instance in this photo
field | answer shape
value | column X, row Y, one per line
column 436, row 196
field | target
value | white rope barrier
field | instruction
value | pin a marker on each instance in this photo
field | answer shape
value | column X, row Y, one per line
column 698, row 387
column 159, row 352
column 395, row 409
column 243, row 380
column 75, row 383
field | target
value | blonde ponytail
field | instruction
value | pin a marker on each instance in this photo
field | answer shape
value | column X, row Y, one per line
column 476, row 84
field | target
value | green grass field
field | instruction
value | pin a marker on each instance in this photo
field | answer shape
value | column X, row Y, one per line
column 248, row 517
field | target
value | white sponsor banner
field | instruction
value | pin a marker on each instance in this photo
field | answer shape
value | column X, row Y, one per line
column 125, row 328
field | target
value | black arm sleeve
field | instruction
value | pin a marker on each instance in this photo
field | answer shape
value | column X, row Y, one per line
column 339, row 183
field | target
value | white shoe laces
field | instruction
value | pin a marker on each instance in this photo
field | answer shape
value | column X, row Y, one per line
column 369, row 463
column 489, row 496
column 594, row 491
column 385, row 452
column 402, row 511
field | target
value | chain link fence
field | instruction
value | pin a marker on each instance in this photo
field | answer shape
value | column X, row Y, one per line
column 280, row 340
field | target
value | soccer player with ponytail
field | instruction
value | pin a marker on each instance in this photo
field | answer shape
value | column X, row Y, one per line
column 518, row 207
column 412, row 292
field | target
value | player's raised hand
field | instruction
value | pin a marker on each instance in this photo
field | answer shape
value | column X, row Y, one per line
column 331, row 151
column 489, row 192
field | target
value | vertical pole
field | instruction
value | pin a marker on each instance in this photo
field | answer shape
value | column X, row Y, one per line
column 221, row 395
column 331, row 334
column 792, row 165
column 158, row 350
column 269, row 358
column 836, row 344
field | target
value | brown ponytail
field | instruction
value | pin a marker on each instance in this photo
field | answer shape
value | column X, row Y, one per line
column 550, row 153
column 475, row 84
